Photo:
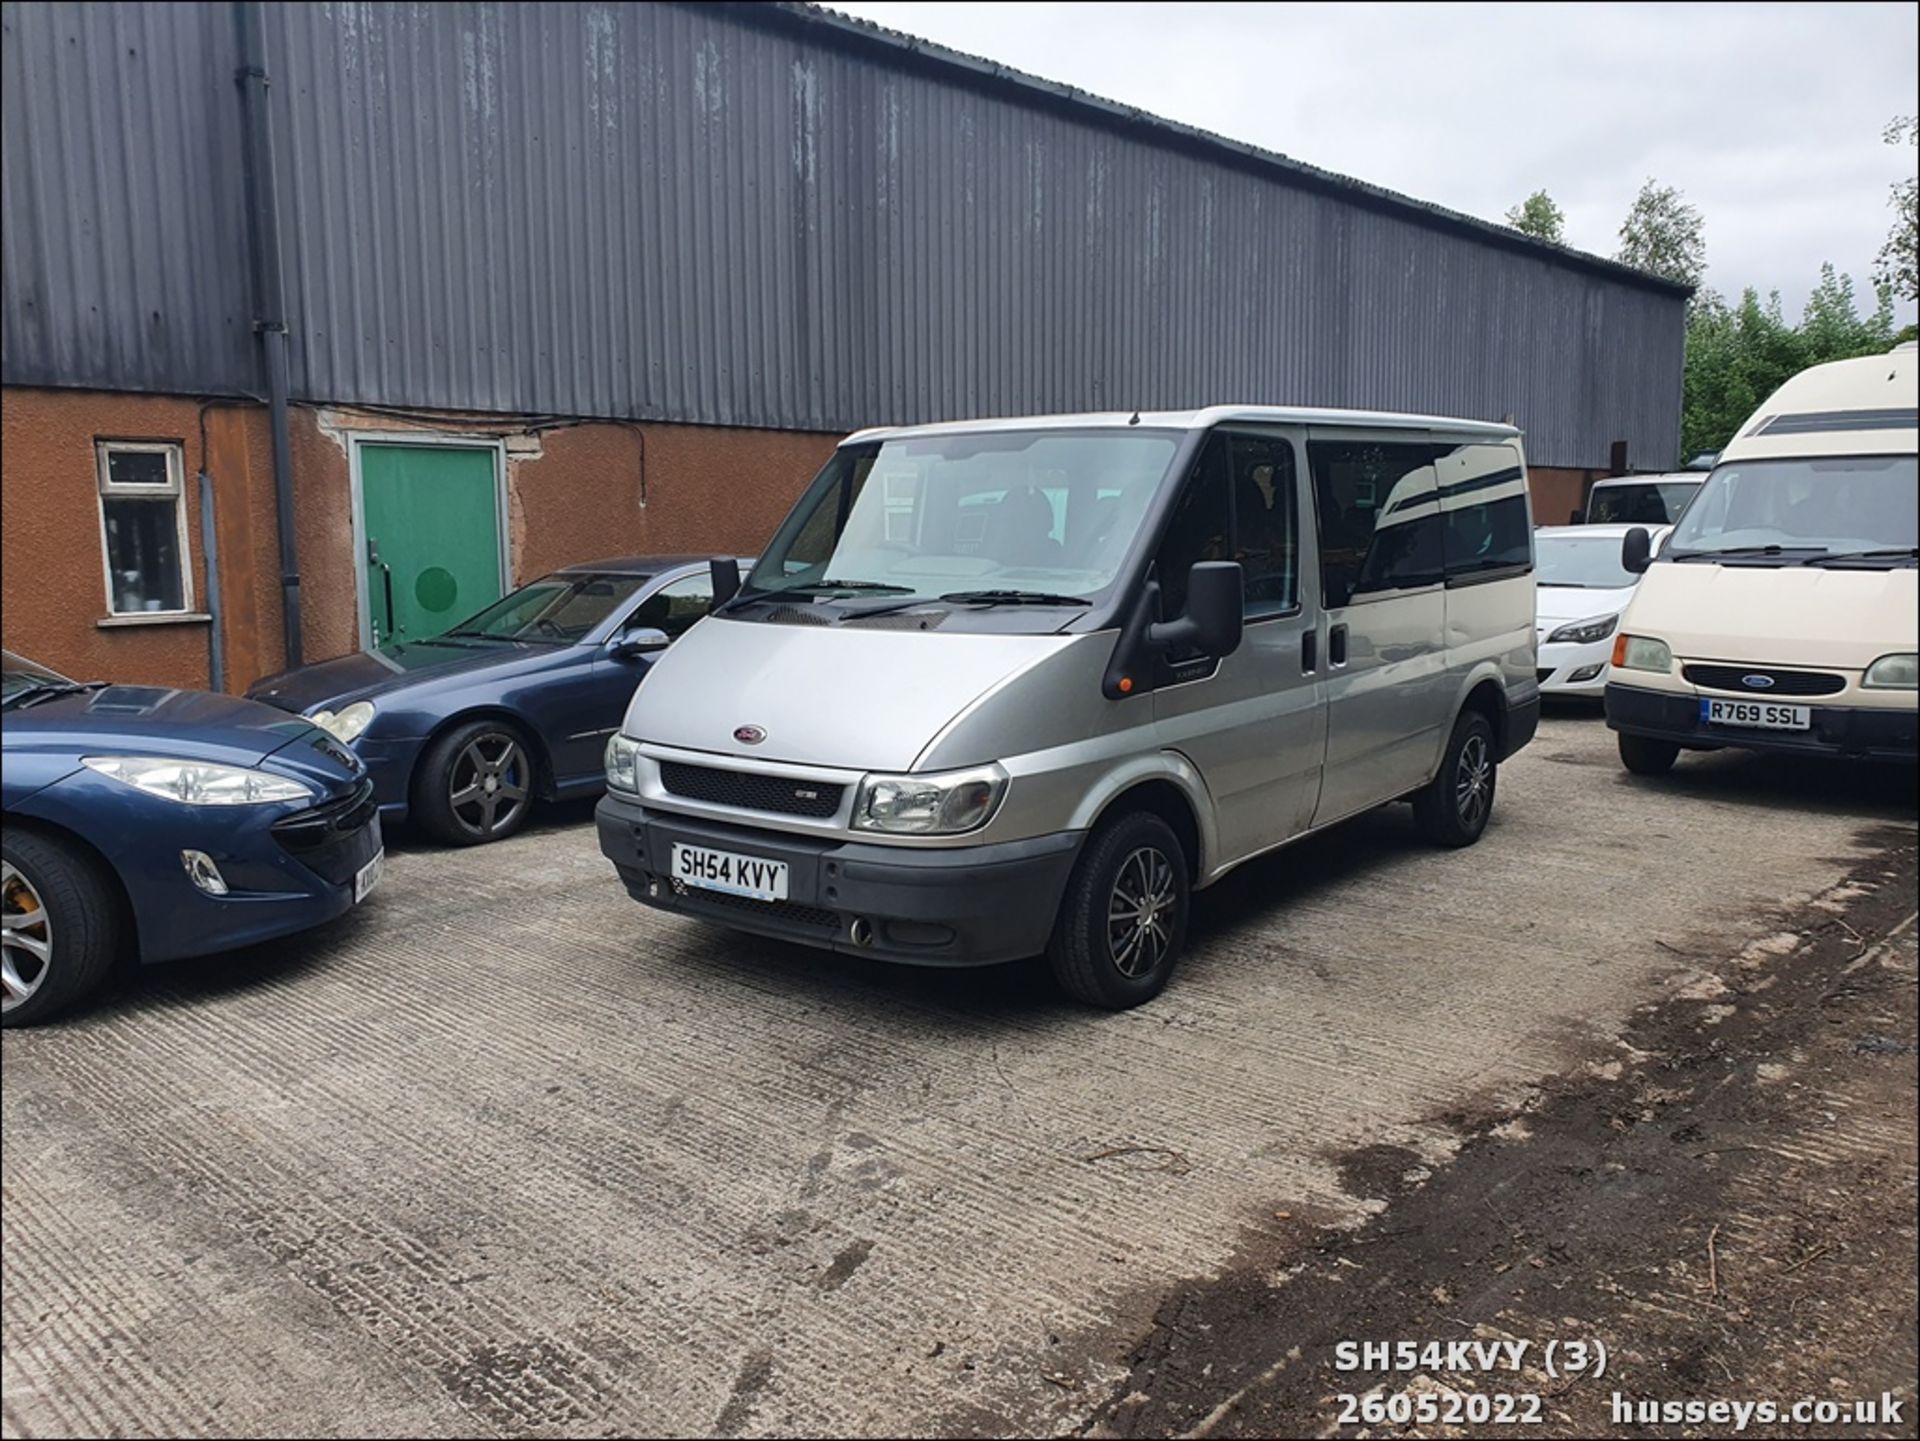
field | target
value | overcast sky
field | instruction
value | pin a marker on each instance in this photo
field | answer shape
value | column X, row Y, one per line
column 1768, row 117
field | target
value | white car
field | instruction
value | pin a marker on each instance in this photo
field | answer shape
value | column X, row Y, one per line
column 1582, row 589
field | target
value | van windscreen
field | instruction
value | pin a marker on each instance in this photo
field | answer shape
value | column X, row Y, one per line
column 1044, row 512
column 1787, row 511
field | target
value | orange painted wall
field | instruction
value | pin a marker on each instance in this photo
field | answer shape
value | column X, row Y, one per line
column 574, row 494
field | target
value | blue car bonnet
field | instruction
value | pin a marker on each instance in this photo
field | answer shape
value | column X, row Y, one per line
column 183, row 725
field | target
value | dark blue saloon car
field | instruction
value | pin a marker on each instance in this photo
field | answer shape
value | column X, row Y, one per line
column 150, row 823
column 464, row 731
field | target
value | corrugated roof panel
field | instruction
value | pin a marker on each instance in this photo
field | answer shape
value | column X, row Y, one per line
column 754, row 218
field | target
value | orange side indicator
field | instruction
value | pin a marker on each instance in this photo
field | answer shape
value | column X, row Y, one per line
column 1126, row 684
column 1620, row 648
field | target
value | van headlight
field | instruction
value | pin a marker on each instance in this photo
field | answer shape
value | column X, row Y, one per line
column 349, row 724
column 935, row 805
column 1642, row 652
column 623, row 764
column 1585, row 632
column 1893, row 672
column 198, row 783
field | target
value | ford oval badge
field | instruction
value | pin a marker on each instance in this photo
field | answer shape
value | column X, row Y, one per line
column 749, row 735
column 1755, row 682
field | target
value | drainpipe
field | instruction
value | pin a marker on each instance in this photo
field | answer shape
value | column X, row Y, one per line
column 269, row 305
column 210, row 549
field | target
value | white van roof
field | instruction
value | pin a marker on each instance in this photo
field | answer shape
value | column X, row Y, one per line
column 1691, row 477
column 1869, row 406
column 1200, row 420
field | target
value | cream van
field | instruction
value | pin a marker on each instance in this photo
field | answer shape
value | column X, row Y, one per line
column 1014, row 687
column 1782, row 612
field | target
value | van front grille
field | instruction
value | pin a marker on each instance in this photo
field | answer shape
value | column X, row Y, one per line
column 750, row 791
column 1735, row 678
column 792, row 912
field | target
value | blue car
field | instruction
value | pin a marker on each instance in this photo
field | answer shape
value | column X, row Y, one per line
column 464, row 731
column 150, row 823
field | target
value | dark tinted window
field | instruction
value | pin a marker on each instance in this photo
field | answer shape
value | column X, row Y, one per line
column 1379, row 520
column 1199, row 528
column 1483, row 499
column 1266, row 520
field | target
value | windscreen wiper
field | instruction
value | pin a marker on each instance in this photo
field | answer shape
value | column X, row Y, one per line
column 1741, row 550
column 822, row 587
column 1896, row 552
column 20, row 700
column 1012, row 597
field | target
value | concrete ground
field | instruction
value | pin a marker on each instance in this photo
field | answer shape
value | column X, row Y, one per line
column 506, row 1153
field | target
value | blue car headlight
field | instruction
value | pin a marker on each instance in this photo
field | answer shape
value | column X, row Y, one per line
column 348, row 724
column 199, row 783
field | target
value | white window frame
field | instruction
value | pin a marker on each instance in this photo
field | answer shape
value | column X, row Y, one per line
column 176, row 492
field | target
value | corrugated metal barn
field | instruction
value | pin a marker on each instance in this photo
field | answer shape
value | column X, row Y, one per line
column 758, row 217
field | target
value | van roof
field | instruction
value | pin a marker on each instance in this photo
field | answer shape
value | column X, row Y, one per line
column 1845, row 407
column 1691, row 477
column 1197, row 420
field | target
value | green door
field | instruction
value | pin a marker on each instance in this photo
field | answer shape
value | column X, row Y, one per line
column 432, row 536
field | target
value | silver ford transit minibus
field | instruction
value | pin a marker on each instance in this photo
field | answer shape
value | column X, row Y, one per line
column 1006, row 688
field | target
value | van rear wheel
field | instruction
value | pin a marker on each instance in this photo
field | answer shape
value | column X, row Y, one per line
column 1453, row 808
column 1123, row 920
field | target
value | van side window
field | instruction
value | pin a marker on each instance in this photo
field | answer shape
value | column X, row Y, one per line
column 1483, row 501
column 1266, row 523
column 1199, row 527
column 1379, row 516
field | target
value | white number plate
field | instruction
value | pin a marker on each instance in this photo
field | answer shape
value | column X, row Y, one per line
column 368, row 876
column 736, row 875
column 1756, row 715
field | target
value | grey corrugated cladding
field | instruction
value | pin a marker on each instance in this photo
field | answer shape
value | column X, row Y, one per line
column 758, row 216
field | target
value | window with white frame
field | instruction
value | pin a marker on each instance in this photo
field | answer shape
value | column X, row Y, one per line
column 143, row 527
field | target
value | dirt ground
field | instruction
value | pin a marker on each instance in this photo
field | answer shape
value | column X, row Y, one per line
column 503, row 1153
column 1726, row 1202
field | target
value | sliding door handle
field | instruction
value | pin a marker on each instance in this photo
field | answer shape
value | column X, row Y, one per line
column 1337, row 644
column 1309, row 651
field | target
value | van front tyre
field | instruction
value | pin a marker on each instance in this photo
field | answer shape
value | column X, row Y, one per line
column 1452, row 809
column 1123, row 920
column 1645, row 756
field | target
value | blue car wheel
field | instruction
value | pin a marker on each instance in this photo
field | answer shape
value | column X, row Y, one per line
column 475, row 784
column 58, row 927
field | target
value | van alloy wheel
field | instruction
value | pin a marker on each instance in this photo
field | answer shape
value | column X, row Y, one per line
column 1140, row 912
column 487, row 786
column 1473, row 781
column 26, row 942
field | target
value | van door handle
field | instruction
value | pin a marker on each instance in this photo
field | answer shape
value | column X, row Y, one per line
column 1309, row 651
column 1337, row 645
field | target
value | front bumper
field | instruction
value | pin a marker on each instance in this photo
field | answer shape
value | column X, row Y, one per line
column 1560, row 664
column 288, row 866
column 960, row 906
column 1847, row 731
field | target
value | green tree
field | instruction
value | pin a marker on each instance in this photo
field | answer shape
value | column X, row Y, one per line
column 1895, row 269
column 1738, row 355
column 1539, row 217
column 1664, row 235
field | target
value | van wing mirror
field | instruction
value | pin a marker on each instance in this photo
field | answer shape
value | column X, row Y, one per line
column 1579, row 517
column 1636, row 550
column 641, row 640
column 1211, row 624
column 724, row 571
column 1216, row 605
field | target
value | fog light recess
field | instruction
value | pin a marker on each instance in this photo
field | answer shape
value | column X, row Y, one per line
column 203, row 872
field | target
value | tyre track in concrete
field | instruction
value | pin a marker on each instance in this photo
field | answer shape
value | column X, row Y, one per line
column 568, row 1165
